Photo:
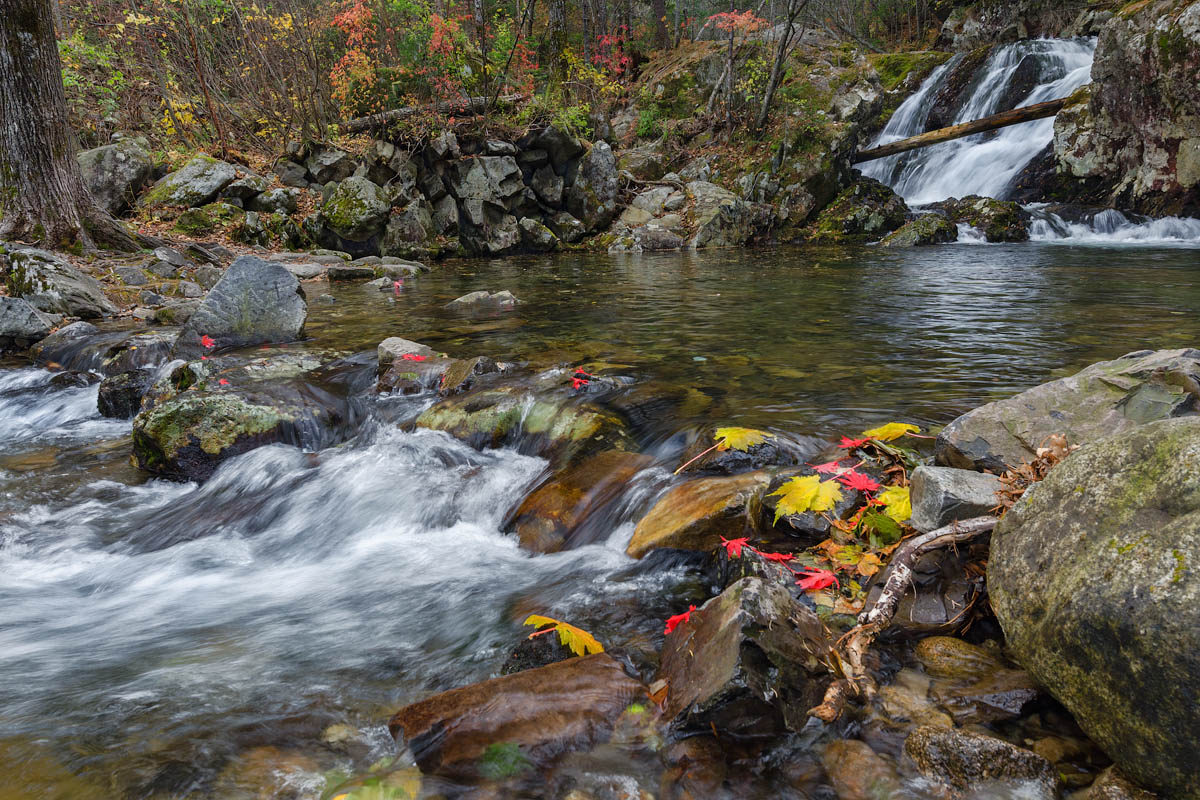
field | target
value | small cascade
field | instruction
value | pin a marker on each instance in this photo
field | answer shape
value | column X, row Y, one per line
column 1110, row 226
column 985, row 163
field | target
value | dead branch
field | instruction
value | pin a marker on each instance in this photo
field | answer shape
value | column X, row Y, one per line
column 470, row 106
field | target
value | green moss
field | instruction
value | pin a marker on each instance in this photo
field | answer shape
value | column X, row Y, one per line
column 1180, row 566
column 212, row 422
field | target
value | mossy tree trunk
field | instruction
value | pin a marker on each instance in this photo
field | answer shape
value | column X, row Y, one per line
column 42, row 195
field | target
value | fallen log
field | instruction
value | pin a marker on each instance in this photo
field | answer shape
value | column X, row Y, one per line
column 467, row 106
column 1001, row 120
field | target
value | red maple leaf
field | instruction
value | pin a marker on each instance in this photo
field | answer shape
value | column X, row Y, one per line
column 776, row 556
column 208, row 341
column 828, row 468
column 734, row 546
column 675, row 621
column 858, row 481
column 223, row 382
column 413, row 357
column 814, row 578
column 850, row 444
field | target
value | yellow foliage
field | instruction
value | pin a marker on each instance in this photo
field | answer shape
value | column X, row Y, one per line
column 893, row 430
column 806, row 493
column 897, row 503
column 579, row 641
column 738, row 438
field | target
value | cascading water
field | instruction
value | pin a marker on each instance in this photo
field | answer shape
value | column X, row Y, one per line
column 986, row 163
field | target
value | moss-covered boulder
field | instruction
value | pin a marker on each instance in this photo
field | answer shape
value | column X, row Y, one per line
column 592, row 198
column 924, row 230
column 549, row 423
column 997, row 220
column 722, row 219
column 865, row 210
column 203, row 414
column 353, row 217
column 196, row 183
column 1093, row 576
column 1103, row 399
column 205, row 220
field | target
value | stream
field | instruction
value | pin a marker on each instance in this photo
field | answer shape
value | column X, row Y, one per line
column 150, row 631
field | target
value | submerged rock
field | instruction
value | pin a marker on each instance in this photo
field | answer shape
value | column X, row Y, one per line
column 747, row 663
column 21, row 325
column 254, row 302
column 485, row 299
column 553, row 515
column 857, row 772
column 506, row 726
column 544, row 423
column 966, row 761
column 52, row 285
column 1093, row 577
column 695, row 515
column 1103, row 399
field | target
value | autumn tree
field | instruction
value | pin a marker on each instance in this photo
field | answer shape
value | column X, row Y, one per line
column 42, row 194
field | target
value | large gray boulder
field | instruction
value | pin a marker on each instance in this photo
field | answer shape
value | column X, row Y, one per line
column 21, row 324
column 941, row 495
column 592, row 198
column 1093, row 576
column 560, row 146
column 255, row 302
column 1103, row 399
column 496, row 179
column 196, row 183
column 330, row 165
column 722, row 218
column 52, row 285
column 115, row 173
column 409, row 230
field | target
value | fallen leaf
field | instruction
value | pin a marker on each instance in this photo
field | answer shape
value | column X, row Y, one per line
column 813, row 579
column 776, row 556
column 807, row 493
column 897, row 502
column 850, row 444
column 741, row 439
column 208, row 341
column 734, row 546
column 858, row 481
column 828, row 468
column 892, row 430
column 579, row 641
column 675, row 621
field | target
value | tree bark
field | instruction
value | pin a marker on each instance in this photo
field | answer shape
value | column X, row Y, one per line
column 794, row 9
column 42, row 195
column 659, row 9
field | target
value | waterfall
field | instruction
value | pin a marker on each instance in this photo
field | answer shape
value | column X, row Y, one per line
column 985, row 163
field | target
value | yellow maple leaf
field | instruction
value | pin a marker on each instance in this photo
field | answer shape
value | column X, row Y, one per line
column 738, row 438
column 807, row 493
column 892, row 430
column 580, row 642
column 897, row 503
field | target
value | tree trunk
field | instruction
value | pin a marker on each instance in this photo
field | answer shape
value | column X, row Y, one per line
column 659, row 8
column 794, row 9
column 42, row 195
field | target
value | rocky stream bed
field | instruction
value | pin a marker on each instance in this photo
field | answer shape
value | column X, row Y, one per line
column 302, row 568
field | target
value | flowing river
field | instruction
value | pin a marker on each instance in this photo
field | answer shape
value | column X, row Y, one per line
column 150, row 631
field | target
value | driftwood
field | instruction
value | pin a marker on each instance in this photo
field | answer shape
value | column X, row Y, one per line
column 468, row 106
column 1001, row 120
column 853, row 678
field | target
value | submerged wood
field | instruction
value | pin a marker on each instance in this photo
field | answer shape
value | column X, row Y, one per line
column 1001, row 120
column 467, row 105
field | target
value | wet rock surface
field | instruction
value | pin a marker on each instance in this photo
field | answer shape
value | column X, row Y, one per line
column 941, row 495
column 120, row 395
column 1092, row 577
column 520, row 721
column 968, row 761
column 747, row 662
column 696, row 514
column 21, row 325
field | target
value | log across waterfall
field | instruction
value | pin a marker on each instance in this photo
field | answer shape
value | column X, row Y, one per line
column 994, row 122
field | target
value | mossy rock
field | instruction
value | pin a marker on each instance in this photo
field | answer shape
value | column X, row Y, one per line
column 998, row 220
column 865, row 210
column 1093, row 576
column 924, row 230
column 205, row 220
column 196, row 183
